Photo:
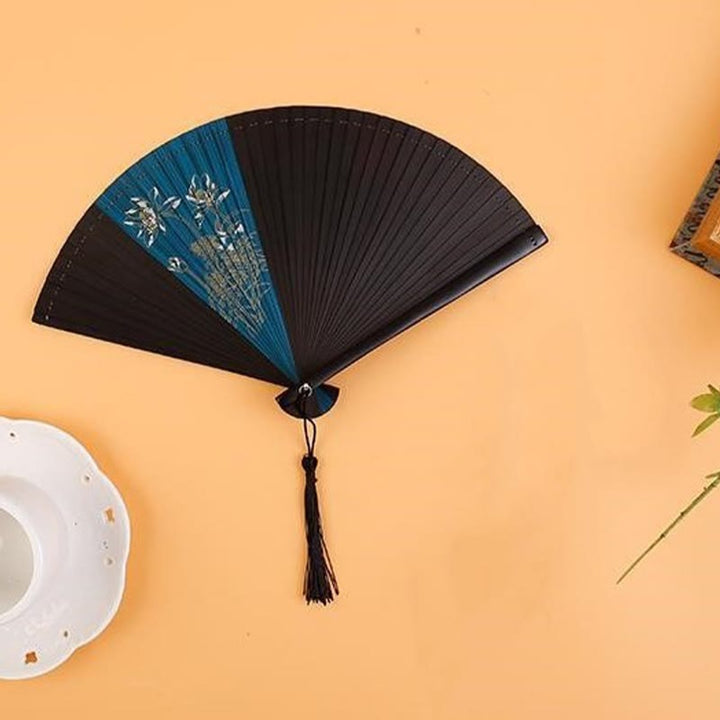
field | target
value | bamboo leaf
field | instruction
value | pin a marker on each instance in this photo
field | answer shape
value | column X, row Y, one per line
column 706, row 423
column 709, row 402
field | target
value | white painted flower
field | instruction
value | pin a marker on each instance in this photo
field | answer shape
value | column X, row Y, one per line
column 177, row 265
column 146, row 214
column 204, row 194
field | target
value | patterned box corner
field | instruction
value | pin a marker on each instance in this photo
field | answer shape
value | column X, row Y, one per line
column 682, row 243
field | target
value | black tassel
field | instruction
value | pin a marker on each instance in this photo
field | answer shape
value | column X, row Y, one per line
column 320, row 584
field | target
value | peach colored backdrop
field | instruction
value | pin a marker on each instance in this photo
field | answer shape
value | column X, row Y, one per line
column 477, row 548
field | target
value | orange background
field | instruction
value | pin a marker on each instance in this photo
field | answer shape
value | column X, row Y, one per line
column 486, row 476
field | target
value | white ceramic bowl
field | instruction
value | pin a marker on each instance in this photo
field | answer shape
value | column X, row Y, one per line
column 64, row 543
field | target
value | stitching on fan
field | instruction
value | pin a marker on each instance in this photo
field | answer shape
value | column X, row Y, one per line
column 76, row 251
column 475, row 170
column 329, row 121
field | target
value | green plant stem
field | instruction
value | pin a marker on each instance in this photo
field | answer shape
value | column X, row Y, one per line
column 696, row 501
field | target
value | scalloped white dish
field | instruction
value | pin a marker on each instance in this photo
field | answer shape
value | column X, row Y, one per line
column 64, row 544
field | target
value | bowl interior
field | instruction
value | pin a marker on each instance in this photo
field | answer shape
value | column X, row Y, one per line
column 17, row 562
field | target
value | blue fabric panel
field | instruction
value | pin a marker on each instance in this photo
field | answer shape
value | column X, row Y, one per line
column 186, row 205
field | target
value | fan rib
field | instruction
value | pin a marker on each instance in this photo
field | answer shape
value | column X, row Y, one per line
column 510, row 253
column 422, row 257
column 399, row 235
column 358, row 246
column 420, row 290
column 364, row 279
column 344, row 234
column 333, row 238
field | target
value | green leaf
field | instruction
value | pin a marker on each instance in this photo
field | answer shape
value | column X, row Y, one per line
column 709, row 402
column 714, row 390
column 706, row 423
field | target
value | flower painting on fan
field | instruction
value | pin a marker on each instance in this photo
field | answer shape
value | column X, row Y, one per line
column 204, row 196
column 234, row 264
column 186, row 205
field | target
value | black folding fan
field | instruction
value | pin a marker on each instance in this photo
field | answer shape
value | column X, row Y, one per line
column 285, row 244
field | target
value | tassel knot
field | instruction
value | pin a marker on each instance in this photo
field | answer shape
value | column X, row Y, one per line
column 309, row 464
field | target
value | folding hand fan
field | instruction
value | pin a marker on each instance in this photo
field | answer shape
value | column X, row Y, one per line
column 285, row 244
